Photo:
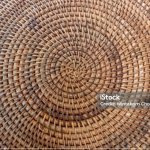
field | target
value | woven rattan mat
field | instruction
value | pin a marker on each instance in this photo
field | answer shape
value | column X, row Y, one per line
column 56, row 55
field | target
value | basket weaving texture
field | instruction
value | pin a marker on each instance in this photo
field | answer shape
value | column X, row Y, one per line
column 56, row 55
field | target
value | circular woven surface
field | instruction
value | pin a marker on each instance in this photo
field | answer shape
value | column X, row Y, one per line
column 56, row 55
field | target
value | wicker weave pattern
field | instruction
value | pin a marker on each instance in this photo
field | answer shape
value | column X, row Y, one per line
column 56, row 55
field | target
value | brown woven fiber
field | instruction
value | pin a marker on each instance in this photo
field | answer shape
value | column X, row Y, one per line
column 56, row 56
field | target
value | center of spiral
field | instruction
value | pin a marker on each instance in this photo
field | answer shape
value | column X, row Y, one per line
column 74, row 69
column 73, row 73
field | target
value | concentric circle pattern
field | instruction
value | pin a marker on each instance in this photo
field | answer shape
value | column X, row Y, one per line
column 56, row 55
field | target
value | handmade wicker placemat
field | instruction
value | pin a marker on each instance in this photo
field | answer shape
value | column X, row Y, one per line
column 56, row 55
